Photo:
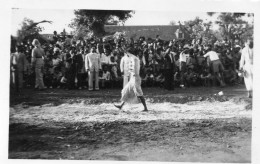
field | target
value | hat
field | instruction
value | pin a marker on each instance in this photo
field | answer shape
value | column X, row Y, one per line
column 35, row 42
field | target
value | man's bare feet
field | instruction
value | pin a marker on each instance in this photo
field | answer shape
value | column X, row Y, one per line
column 118, row 106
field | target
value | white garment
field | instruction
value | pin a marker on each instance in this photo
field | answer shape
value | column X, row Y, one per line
column 212, row 55
column 172, row 54
column 92, row 62
column 183, row 57
column 246, row 63
column 133, row 89
column 104, row 59
column 106, row 76
column 124, row 65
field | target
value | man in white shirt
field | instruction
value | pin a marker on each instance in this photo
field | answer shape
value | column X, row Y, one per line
column 183, row 59
column 124, row 68
column 93, row 66
column 216, row 65
column 104, row 58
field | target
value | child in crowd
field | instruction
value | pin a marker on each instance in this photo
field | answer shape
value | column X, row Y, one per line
column 105, row 79
column 206, row 77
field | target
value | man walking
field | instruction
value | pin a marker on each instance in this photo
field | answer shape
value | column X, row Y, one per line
column 93, row 66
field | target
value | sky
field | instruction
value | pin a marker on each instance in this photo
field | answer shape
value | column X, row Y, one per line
column 62, row 17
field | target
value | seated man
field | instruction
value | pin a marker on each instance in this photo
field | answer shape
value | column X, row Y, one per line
column 105, row 78
column 206, row 77
column 230, row 75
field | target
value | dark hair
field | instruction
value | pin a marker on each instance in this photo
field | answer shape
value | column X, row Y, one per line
column 251, row 44
column 19, row 48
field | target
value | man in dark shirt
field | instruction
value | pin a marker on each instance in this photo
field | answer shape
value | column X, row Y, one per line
column 169, row 65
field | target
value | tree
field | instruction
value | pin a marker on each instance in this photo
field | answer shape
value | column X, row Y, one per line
column 197, row 29
column 232, row 26
column 95, row 20
column 172, row 23
column 30, row 30
column 26, row 29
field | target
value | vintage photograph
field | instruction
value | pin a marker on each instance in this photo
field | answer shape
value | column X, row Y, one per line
column 131, row 85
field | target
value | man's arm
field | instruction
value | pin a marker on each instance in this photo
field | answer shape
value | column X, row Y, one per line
column 206, row 55
column 122, row 65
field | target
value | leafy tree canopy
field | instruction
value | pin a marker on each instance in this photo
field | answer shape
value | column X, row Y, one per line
column 26, row 29
column 94, row 21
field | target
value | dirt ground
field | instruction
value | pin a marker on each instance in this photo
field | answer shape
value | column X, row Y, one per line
column 184, row 125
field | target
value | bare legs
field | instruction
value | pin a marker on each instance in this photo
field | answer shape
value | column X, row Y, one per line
column 142, row 101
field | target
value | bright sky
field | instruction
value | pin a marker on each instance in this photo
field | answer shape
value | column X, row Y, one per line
column 61, row 18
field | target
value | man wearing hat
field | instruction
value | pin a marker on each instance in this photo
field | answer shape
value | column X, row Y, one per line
column 37, row 63
column 93, row 66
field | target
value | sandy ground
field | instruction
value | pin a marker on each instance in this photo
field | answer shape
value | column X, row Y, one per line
column 191, row 125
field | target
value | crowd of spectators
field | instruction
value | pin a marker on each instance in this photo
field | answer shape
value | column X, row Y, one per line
column 193, row 62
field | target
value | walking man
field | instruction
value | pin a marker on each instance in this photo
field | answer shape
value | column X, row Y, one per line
column 132, row 90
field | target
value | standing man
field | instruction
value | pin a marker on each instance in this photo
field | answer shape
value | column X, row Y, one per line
column 169, row 64
column 18, row 66
column 93, row 66
column 183, row 59
column 37, row 63
column 246, row 65
column 77, row 64
column 124, row 68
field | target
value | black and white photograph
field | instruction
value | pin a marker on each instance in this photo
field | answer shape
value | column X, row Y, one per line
column 131, row 83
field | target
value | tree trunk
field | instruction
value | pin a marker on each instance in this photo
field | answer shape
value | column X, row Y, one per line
column 98, row 29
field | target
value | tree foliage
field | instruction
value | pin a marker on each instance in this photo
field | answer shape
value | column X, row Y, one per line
column 197, row 29
column 26, row 31
column 172, row 23
column 94, row 21
column 232, row 26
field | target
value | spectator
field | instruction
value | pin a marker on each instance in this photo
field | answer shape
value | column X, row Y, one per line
column 37, row 63
column 18, row 67
column 216, row 65
column 93, row 66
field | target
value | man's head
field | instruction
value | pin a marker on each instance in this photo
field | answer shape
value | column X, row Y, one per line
column 93, row 49
column 35, row 42
column 18, row 48
column 249, row 42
